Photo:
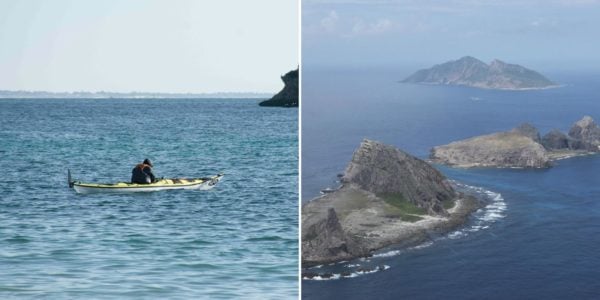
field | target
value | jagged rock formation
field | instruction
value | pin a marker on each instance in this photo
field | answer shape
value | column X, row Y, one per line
column 529, row 131
column 521, row 147
column 288, row 96
column 586, row 131
column 555, row 140
column 329, row 239
column 387, row 197
column 383, row 169
column 469, row 71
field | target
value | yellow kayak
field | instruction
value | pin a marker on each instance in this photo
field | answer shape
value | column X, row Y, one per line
column 204, row 183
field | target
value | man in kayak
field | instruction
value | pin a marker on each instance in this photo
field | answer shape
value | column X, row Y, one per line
column 142, row 173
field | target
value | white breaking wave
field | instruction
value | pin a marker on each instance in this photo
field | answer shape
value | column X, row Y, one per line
column 421, row 246
column 483, row 218
column 456, row 235
column 388, row 254
column 356, row 273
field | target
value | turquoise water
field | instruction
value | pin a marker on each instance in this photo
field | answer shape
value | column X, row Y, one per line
column 238, row 240
column 537, row 236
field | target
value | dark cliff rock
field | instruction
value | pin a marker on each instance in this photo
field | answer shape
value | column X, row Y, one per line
column 587, row 133
column 529, row 131
column 327, row 238
column 383, row 169
column 555, row 140
column 288, row 96
column 472, row 72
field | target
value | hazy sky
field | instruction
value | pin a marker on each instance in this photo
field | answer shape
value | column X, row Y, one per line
column 543, row 33
column 147, row 45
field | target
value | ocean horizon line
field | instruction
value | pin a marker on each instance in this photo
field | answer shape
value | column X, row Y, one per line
column 24, row 94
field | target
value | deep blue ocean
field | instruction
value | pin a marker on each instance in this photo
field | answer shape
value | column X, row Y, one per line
column 238, row 240
column 538, row 236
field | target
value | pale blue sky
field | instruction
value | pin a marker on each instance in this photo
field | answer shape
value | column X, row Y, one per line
column 147, row 45
column 548, row 34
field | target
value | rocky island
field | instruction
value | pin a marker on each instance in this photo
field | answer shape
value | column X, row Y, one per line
column 521, row 147
column 387, row 197
column 469, row 71
column 288, row 96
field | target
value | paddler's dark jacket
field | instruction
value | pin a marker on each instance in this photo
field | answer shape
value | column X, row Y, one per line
column 142, row 173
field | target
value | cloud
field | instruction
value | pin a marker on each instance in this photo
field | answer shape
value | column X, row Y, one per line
column 452, row 5
column 354, row 19
column 329, row 22
column 332, row 24
column 377, row 27
column 577, row 2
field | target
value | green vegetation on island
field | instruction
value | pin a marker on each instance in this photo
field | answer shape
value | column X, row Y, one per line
column 469, row 71
column 387, row 197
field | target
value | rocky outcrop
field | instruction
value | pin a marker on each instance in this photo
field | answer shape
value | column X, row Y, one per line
column 328, row 239
column 584, row 135
column 505, row 150
column 288, row 96
column 520, row 147
column 469, row 71
column 383, row 169
column 529, row 131
column 555, row 140
column 387, row 197
column 586, row 132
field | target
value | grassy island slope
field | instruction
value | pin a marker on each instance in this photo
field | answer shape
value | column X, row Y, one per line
column 388, row 197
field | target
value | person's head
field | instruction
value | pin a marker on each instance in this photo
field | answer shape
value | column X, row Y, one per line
column 148, row 162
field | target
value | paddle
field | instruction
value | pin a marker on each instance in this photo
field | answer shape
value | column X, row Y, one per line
column 69, row 179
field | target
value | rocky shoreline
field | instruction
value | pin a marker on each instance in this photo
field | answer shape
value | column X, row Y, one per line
column 289, row 95
column 521, row 147
column 366, row 230
column 387, row 198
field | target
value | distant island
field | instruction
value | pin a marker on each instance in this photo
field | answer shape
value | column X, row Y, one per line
column 387, row 197
column 521, row 147
column 472, row 72
column 288, row 96
column 131, row 95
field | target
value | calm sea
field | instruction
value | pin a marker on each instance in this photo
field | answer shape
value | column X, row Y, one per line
column 238, row 240
column 537, row 238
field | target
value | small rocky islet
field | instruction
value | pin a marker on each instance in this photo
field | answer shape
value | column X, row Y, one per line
column 521, row 147
column 288, row 96
column 387, row 197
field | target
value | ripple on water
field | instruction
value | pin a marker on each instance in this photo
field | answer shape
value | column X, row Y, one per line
column 172, row 244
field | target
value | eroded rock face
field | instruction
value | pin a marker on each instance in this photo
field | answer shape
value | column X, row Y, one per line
column 327, row 239
column 383, row 169
column 504, row 150
column 529, row 131
column 587, row 132
column 555, row 140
